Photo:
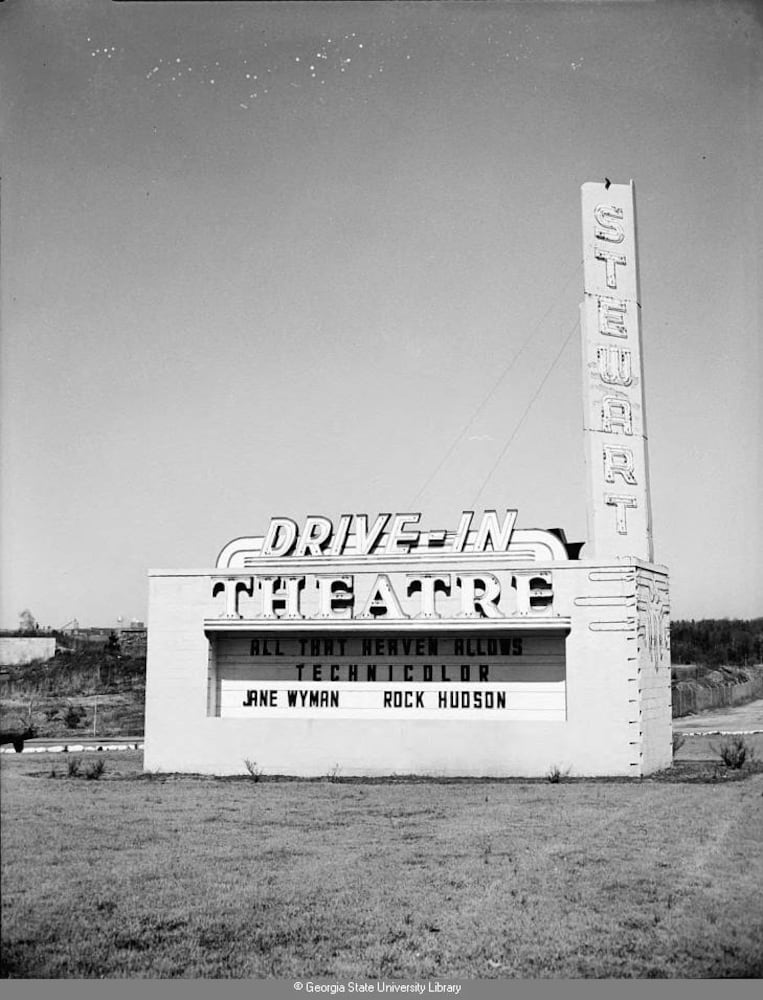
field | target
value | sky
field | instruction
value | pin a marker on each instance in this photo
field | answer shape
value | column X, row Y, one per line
column 279, row 259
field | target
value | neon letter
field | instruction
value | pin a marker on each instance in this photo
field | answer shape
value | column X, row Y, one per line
column 619, row 462
column 612, row 318
column 606, row 229
column 616, row 412
column 280, row 546
column 620, row 502
column 614, row 365
column 611, row 260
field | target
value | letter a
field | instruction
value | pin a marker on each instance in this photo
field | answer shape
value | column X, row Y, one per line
column 382, row 600
column 616, row 413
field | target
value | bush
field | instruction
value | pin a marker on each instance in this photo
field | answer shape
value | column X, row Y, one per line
column 555, row 774
column 95, row 770
column 735, row 752
column 73, row 716
column 73, row 766
column 255, row 773
column 678, row 741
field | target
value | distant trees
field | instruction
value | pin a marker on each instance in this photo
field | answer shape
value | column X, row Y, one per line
column 717, row 641
column 27, row 621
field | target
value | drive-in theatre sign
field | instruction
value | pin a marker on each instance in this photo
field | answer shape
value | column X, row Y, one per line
column 379, row 645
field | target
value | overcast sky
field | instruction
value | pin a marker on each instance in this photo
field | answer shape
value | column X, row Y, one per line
column 270, row 259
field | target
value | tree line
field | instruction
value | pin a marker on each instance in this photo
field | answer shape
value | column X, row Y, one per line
column 717, row 641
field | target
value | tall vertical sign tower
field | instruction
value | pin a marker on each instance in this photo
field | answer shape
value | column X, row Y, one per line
column 619, row 514
column 619, row 506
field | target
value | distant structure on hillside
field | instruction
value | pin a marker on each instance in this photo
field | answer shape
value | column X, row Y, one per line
column 132, row 639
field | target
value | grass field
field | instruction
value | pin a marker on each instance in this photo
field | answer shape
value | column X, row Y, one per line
column 138, row 876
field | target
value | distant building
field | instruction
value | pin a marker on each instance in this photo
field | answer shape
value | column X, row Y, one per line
column 19, row 650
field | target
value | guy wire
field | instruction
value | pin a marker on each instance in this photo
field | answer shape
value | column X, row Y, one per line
column 486, row 399
column 526, row 411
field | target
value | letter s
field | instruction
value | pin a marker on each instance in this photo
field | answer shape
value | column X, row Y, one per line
column 606, row 229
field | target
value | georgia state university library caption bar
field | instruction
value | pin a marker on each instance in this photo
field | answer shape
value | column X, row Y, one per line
column 373, row 645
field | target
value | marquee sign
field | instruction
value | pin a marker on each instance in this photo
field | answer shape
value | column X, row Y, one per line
column 392, row 676
column 324, row 620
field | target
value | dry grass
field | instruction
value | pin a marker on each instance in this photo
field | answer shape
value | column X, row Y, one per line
column 140, row 876
column 117, row 716
column 706, row 747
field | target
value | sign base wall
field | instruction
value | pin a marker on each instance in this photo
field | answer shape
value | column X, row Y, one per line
column 610, row 619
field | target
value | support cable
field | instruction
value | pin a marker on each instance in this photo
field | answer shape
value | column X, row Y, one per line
column 524, row 415
column 486, row 399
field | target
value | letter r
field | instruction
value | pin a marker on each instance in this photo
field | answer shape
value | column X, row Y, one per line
column 619, row 462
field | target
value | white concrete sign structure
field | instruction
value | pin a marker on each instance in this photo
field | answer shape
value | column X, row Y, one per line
column 373, row 645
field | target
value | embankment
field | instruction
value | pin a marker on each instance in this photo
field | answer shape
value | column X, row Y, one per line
column 700, row 688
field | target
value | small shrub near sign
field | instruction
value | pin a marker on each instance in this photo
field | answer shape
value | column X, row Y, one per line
column 735, row 752
column 555, row 774
column 95, row 770
column 255, row 773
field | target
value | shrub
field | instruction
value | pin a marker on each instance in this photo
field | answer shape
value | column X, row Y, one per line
column 255, row 773
column 555, row 774
column 735, row 752
column 678, row 741
column 73, row 716
column 73, row 766
column 95, row 770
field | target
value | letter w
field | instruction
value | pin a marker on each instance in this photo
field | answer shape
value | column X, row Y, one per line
column 614, row 365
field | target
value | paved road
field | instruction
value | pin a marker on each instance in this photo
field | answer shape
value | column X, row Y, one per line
column 734, row 719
